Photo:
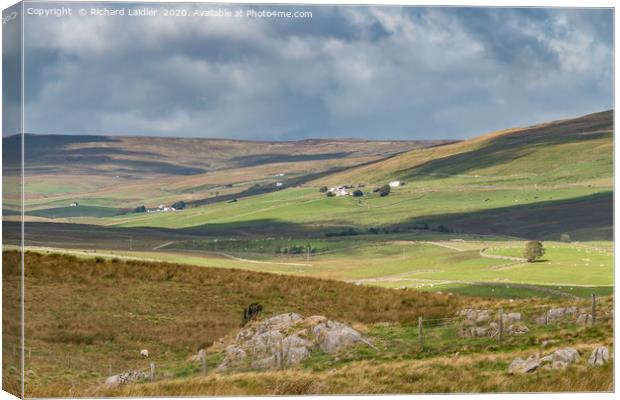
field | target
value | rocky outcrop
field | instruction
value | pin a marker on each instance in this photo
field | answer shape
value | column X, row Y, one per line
column 556, row 314
column 599, row 356
column 131, row 376
column 285, row 340
column 481, row 323
column 559, row 359
column 584, row 319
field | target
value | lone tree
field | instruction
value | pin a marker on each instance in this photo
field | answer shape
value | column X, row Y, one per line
column 323, row 189
column 533, row 251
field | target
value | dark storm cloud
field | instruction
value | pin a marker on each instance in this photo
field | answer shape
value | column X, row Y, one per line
column 378, row 72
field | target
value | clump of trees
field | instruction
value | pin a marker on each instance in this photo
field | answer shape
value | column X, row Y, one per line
column 330, row 194
column 565, row 237
column 358, row 193
column 323, row 189
column 179, row 205
column 296, row 249
column 384, row 190
column 534, row 250
column 140, row 209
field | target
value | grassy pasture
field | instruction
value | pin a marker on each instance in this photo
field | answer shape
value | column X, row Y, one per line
column 432, row 265
column 73, row 343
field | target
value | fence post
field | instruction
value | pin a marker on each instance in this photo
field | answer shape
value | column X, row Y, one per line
column 204, row 365
column 152, row 372
column 501, row 325
column 420, row 334
column 593, row 309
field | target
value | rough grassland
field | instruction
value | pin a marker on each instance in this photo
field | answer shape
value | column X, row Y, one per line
column 84, row 314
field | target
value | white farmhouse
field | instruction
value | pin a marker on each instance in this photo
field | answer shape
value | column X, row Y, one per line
column 396, row 183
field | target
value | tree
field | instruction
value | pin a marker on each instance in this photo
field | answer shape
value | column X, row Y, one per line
column 330, row 194
column 358, row 193
column 384, row 190
column 533, row 251
column 179, row 205
column 139, row 209
column 323, row 189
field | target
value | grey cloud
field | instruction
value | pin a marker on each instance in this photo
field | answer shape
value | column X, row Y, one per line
column 375, row 72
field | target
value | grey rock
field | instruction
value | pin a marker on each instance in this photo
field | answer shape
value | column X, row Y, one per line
column 584, row 319
column 286, row 340
column 334, row 336
column 599, row 356
column 511, row 318
column 520, row 366
column 131, row 376
column 517, row 329
column 567, row 355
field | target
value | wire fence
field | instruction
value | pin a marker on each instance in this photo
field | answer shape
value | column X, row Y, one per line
column 470, row 327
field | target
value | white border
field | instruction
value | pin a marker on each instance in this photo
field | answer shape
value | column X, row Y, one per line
column 475, row 3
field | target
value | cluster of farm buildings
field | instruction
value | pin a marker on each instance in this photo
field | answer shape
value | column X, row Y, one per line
column 345, row 190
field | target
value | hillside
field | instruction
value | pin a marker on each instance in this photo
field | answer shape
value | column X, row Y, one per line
column 122, row 172
column 119, row 307
column 570, row 151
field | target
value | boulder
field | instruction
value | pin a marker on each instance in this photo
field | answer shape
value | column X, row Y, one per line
column 520, row 366
column 333, row 336
column 511, row 318
column 599, row 356
column 517, row 329
column 567, row 355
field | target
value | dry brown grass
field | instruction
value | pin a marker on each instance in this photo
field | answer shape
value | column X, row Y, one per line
column 84, row 314
column 437, row 375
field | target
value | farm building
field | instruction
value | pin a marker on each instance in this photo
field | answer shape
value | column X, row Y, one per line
column 397, row 183
column 339, row 191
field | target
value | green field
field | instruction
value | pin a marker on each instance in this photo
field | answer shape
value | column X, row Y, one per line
column 490, row 194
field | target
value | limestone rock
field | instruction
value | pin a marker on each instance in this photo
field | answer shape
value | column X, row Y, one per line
column 599, row 356
column 126, row 377
column 286, row 340
column 584, row 319
column 567, row 355
column 520, row 366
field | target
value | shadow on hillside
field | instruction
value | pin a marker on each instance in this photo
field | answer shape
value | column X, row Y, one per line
column 83, row 236
column 502, row 149
column 53, row 154
column 260, row 159
column 583, row 218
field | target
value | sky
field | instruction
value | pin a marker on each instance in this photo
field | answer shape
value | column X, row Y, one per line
column 349, row 71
